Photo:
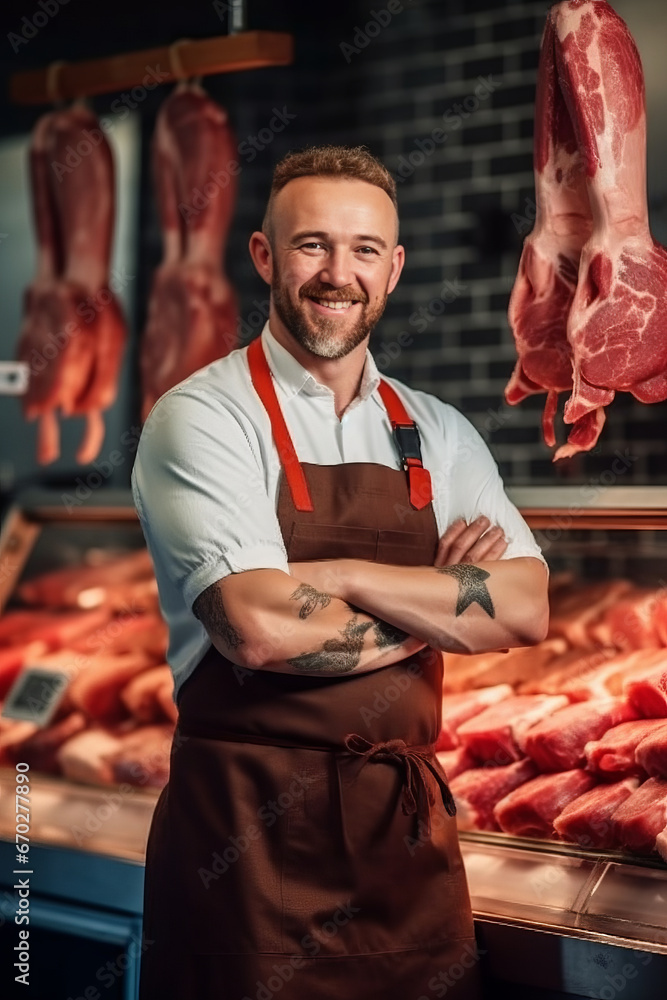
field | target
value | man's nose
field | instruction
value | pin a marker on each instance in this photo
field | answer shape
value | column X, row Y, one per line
column 337, row 270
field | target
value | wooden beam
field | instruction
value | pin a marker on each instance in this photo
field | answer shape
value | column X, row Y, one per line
column 185, row 58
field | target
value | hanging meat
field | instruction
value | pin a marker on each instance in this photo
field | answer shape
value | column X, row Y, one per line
column 73, row 331
column 592, row 279
column 192, row 313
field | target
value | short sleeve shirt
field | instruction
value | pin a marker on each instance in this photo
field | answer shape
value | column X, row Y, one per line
column 206, row 475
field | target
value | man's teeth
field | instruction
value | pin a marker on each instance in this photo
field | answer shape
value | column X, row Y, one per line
column 333, row 305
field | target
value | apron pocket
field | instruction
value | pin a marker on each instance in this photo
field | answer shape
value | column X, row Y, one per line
column 404, row 548
column 317, row 541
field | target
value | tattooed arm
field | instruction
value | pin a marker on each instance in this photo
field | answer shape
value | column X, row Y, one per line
column 265, row 619
column 461, row 608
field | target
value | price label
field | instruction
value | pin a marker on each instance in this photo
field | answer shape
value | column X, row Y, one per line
column 35, row 695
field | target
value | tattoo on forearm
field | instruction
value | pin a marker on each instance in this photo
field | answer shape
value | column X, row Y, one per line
column 388, row 635
column 472, row 589
column 337, row 656
column 210, row 611
column 313, row 599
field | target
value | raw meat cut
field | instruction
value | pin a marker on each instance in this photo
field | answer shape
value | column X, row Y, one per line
column 84, row 757
column 587, row 820
column 642, row 817
column 615, row 753
column 494, row 736
column 97, row 687
column 649, row 694
column 142, row 757
column 458, row 708
column 456, row 761
column 73, row 331
column 512, row 667
column 557, row 743
column 661, row 844
column 141, row 694
column 616, row 327
column 530, row 810
column 607, row 679
column 547, row 278
column 651, row 753
column 571, row 668
column 575, row 610
column 129, row 634
column 477, row 791
column 86, row 586
column 58, row 629
column 192, row 312
column 630, row 622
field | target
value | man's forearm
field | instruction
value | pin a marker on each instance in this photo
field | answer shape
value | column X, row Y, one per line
column 459, row 608
column 268, row 620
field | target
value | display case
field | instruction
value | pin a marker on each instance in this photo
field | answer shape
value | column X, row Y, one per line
column 587, row 918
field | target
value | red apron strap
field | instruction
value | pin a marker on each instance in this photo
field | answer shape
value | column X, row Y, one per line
column 406, row 437
column 262, row 380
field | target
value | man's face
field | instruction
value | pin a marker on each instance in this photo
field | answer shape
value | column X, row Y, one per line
column 334, row 261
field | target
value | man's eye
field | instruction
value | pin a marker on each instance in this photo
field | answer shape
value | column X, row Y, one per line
column 372, row 250
column 309, row 245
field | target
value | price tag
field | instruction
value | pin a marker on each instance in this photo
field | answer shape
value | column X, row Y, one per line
column 14, row 377
column 35, row 695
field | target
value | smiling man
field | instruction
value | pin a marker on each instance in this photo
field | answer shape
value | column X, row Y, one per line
column 320, row 535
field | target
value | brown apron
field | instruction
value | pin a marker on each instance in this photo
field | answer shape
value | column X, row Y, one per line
column 303, row 847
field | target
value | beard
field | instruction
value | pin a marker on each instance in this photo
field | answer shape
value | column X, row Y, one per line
column 325, row 338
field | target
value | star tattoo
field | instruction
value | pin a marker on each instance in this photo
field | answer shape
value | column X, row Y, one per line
column 472, row 589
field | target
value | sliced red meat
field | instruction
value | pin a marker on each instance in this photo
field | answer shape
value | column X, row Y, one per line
column 458, row 708
column 557, row 743
column 495, row 735
column 651, row 753
column 85, row 586
column 456, row 761
column 607, row 680
column 579, row 607
column 642, row 817
column 512, row 667
column 587, row 820
column 39, row 750
column 64, row 628
column 477, row 791
column 530, row 810
column 574, row 666
column 96, row 689
column 141, row 694
column 629, row 623
column 649, row 694
column 615, row 752
column 83, row 757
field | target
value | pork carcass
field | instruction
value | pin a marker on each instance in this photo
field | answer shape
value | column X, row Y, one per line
column 73, row 331
column 495, row 735
column 477, row 791
column 587, row 820
column 651, row 752
column 615, row 752
column 547, row 280
column 458, row 708
column 530, row 810
column 192, row 312
column 557, row 743
column 616, row 326
column 640, row 820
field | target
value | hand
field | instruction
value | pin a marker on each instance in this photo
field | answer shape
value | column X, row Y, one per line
column 329, row 576
column 478, row 541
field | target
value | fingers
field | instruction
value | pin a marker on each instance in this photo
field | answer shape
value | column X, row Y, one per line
column 472, row 542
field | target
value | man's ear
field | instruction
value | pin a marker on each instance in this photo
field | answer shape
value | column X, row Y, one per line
column 397, row 262
column 262, row 258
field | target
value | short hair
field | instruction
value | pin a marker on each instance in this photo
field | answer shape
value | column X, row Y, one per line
column 355, row 162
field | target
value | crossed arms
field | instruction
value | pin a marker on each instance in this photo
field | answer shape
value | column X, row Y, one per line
column 339, row 616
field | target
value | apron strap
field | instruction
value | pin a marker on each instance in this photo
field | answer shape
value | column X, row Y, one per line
column 262, row 380
column 406, row 436
column 405, row 433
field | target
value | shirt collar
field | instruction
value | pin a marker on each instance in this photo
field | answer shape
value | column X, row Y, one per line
column 293, row 378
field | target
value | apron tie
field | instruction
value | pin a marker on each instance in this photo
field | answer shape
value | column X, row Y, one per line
column 420, row 766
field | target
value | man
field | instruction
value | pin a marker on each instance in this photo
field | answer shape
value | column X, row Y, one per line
column 319, row 535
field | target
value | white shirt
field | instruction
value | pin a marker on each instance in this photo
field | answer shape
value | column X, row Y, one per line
column 206, row 474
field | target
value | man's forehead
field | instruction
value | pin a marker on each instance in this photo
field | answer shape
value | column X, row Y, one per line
column 338, row 201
